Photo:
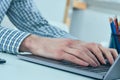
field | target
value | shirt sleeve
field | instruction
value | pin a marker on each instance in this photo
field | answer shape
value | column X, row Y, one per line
column 26, row 17
column 10, row 40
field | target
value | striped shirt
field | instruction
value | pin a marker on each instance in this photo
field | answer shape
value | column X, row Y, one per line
column 28, row 20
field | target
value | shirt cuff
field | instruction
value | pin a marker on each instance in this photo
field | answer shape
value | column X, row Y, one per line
column 11, row 40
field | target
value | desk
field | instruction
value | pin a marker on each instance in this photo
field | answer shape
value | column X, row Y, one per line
column 15, row 69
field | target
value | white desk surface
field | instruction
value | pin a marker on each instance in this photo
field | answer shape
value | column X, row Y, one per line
column 15, row 69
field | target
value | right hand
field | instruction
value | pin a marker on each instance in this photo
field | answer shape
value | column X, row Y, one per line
column 66, row 49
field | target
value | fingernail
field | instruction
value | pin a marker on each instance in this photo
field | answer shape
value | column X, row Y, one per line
column 104, row 61
column 94, row 65
column 98, row 64
column 86, row 64
column 112, row 62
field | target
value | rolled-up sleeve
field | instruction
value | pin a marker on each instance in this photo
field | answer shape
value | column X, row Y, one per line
column 26, row 17
column 10, row 40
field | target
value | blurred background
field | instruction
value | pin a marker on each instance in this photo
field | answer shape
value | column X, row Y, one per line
column 86, row 19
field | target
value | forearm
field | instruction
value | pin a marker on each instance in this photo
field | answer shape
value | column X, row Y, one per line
column 26, row 17
column 10, row 40
column 51, row 32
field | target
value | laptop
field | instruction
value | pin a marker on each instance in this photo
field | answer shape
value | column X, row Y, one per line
column 104, row 72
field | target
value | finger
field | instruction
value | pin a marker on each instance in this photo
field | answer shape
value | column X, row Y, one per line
column 90, row 55
column 81, row 54
column 94, row 58
column 97, row 52
column 107, row 54
column 74, row 59
column 114, row 53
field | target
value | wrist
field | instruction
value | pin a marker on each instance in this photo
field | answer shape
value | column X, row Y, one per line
column 26, row 45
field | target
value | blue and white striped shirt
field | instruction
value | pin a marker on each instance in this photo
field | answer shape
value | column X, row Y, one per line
column 27, row 18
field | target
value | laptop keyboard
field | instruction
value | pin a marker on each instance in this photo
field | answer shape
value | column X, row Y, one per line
column 102, row 68
column 99, row 69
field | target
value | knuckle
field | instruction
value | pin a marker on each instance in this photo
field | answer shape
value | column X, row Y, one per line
column 82, row 54
column 114, row 50
column 68, row 41
column 110, row 56
column 93, row 44
column 100, row 45
column 85, row 51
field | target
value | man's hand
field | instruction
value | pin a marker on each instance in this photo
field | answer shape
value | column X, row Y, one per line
column 71, row 50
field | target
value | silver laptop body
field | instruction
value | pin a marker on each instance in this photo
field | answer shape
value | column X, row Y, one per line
column 106, row 72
